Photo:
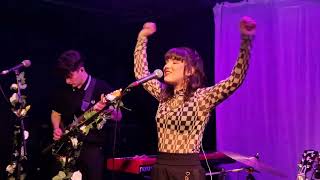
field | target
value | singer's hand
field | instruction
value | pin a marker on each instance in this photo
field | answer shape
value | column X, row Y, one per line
column 148, row 29
column 248, row 26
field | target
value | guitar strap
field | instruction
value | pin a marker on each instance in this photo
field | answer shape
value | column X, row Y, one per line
column 86, row 101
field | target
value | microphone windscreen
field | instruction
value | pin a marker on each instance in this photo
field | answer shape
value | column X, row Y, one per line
column 158, row 73
column 26, row 63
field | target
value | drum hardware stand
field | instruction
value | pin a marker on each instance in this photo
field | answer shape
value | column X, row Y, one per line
column 222, row 174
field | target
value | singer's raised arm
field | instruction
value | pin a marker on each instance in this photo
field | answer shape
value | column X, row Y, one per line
column 213, row 95
column 141, row 64
column 223, row 89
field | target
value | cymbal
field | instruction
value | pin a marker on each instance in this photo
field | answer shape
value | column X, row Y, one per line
column 255, row 163
column 216, row 157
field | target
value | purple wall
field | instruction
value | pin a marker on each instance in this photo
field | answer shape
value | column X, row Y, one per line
column 276, row 112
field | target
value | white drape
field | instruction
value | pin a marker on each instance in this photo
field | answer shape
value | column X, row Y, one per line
column 276, row 112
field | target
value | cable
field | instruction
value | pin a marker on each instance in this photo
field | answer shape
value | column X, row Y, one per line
column 4, row 95
column 205, row 157
column 117, row 109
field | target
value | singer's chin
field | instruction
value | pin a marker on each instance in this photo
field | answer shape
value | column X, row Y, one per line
column 169, row 81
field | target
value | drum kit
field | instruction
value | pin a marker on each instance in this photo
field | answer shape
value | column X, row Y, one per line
column 308, row 167
column 251, row 164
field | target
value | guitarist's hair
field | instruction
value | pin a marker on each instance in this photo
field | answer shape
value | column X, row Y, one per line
column 70, row 61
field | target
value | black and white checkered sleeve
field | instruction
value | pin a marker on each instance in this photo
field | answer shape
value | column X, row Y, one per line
column 214, row 95
column 141, row 68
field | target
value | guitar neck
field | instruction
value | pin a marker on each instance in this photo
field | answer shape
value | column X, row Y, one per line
column 88, row 115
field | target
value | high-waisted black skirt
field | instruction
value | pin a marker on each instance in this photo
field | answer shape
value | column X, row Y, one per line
column 171, row 166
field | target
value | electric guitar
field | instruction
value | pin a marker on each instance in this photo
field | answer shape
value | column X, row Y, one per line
column 82, row 124
column 85, row 118
column 309, row 157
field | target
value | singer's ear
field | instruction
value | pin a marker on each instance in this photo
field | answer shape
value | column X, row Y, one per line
column 81, row 69
column 190, row 72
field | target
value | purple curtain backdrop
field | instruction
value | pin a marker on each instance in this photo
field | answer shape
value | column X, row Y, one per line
column 276, row 112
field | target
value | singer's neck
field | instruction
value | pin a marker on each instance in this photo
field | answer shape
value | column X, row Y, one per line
column 179, row 86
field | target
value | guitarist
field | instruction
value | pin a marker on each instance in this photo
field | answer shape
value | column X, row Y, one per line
column 81, row 93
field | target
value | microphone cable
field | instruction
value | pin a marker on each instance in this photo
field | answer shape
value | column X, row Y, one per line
column 117, row 109
column 4, row 96
column 206, row 159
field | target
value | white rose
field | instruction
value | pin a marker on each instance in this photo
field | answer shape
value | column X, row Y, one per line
column 14, row 98
column 14, row 87
column 26, row 135
column 74, row 142
column 59, row 176
column 10, row 168
column 76, row 176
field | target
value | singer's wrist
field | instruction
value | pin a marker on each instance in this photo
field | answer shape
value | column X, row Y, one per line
column 142, row 37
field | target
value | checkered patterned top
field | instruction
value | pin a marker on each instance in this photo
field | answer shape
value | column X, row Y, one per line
column 180, row 124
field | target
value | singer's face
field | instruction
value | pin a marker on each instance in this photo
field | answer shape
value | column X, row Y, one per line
column 174, row 72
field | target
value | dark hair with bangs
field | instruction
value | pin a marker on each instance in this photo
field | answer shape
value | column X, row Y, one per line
column 69, row 61
column 193, row 61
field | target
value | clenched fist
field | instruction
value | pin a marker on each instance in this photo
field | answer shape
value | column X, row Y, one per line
column 148, row 29
column 248, row 26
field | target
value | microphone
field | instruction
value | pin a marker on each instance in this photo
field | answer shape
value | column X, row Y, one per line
column 155, row 75
column 24, row 63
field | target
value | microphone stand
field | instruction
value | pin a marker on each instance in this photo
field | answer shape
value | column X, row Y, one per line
column 19, row 143
column 124, row 92
column 250, row 176
column 22, row 146
column 222, row 174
